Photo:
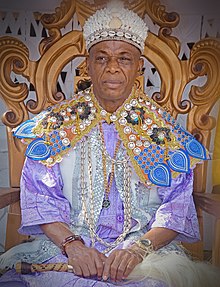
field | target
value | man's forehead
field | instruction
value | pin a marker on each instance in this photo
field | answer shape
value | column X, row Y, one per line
column 114, row 46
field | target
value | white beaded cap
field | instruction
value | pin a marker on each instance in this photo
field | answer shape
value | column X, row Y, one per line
column 115, row 23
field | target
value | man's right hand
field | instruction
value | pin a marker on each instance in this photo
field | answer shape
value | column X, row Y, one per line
column 86, row 262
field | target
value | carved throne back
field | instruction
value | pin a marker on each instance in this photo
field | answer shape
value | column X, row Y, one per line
column 57, row 50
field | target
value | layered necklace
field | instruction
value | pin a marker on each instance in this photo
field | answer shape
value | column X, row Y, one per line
column 89, row 210
column 107, row 183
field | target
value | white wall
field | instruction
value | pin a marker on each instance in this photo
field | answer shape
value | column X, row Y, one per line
column 197, row 21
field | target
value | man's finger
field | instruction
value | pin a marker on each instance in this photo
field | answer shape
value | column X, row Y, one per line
column 130, row 266
column 99, row 266
column 85, row 270
column 122, row 268
column 107, row 266
column 92, row 267
column 77, row 270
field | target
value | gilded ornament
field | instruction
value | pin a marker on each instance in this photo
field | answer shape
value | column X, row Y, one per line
column 103, row 113
column 148, row 121
column 62, row 134
column 131, row 145
column 65, row 141
column 134, row 103
column 73, row 117
column 139, row 143
column 123, row 121
column 132, row 137
column 66, row 118
column 124, row 114
column 127, row 107
column 150, row 132
column 127, row 130
column 137, row 151
column 146, row 144
column 87, row 98
column 113, row 118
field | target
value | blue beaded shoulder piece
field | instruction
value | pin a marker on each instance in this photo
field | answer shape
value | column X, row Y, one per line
column 158, row 147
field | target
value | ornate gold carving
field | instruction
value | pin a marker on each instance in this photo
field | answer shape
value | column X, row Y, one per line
column 51, row 64
column 13, row 57
column 54, row 22
column 156, row 12
column 204, row 60
column 82, row 70
column 172, row 73
column 61, row 17
column 172, row 42
column 84, row 10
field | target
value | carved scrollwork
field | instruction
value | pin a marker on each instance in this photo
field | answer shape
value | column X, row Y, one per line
column 156, row 11
column 55, row 21
column 172, row 74
column 61, row 17
column 13, row 57
column 54, row 35
column 82, row 70
column 173, row 42
column 205, row 60
column 84, row 10
column 50, row 65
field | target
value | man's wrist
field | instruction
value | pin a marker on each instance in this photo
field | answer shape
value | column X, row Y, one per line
column 68, row 240
column 144, row 246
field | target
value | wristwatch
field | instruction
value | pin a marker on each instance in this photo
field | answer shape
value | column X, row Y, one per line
column 146, row 245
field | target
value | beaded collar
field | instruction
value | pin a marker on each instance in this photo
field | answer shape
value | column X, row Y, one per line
column 158, row 147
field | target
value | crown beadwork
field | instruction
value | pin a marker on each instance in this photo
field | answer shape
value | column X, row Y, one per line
column 115, row 23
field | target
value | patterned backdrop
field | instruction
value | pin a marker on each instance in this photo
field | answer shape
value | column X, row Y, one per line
column 26, row 27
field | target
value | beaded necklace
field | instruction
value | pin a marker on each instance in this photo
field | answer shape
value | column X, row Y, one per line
column 89, row 216
column 107, row 185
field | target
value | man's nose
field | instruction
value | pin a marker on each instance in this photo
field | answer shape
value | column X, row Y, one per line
column 112, row 64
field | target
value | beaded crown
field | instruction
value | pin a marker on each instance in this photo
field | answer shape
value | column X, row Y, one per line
column 115, row 23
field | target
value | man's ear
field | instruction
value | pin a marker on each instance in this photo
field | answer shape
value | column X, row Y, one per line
column 141, row 64
column 87, row 64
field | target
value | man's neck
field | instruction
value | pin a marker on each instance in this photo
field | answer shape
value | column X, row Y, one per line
column 108, row 104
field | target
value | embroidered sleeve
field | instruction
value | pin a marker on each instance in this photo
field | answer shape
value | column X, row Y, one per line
column 42, row 200
column 177, row 211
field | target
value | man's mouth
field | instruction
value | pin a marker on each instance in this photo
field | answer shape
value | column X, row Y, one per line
column 112, row 83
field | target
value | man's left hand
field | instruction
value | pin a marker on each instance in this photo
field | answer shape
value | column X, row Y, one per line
column 120, row 263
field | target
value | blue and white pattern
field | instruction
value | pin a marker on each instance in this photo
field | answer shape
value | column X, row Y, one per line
column 160, row 175
column 38, row 149
column 179, row 161
column 25, row 130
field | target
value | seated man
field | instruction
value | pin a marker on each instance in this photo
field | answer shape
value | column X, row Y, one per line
column 108, row 177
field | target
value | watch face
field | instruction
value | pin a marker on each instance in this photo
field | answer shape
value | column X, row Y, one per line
column 146, row 242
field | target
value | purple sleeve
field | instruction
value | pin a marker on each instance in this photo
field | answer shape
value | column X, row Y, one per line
column 42, row 200
column 177, row 211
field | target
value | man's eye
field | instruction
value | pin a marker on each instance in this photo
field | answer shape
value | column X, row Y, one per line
column 101, row 59
column 124, row 60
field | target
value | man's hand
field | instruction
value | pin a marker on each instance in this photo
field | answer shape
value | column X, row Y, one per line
column 86, row 262
column 120, row 263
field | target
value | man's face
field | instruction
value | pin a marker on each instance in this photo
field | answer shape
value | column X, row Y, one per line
column 113, row 67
